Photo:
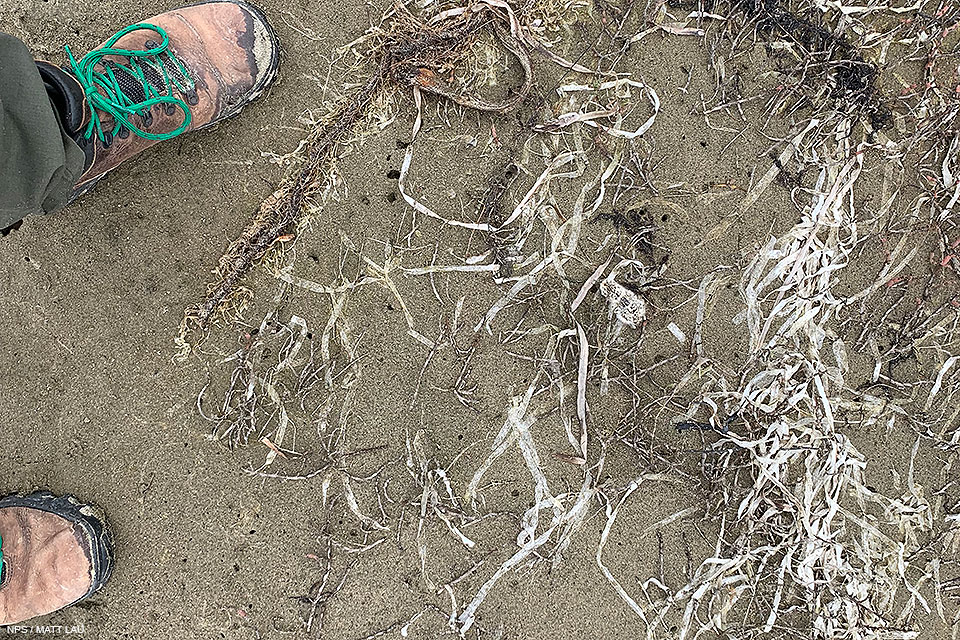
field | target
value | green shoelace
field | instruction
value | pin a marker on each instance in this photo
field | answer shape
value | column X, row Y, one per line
column 104, row 92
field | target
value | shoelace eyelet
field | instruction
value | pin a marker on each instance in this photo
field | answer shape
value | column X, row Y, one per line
column 147, row 118
column 107, row 140
column 192, row 98
column 124, row 133
column 169, row 109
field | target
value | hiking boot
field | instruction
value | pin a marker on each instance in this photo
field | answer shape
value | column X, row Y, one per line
column 177, row 72
column 54, row 552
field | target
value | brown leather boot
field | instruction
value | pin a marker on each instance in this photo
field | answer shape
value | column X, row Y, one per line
column 55, row 552
column 177, row 72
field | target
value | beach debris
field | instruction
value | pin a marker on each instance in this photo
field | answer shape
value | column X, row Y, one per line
column 627, row 306
column 747, row 404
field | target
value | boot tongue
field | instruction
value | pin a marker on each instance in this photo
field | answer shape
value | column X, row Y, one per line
column 132, row 87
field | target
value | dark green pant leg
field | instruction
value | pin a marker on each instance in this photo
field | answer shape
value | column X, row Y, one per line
column 39, row 164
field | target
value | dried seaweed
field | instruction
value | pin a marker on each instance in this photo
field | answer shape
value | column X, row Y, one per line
column 758, row 429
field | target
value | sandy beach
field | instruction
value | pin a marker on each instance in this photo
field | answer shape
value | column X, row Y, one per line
column 392, row 450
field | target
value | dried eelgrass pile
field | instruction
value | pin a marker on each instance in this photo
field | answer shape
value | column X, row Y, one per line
column 803, row 543
column 805, row 538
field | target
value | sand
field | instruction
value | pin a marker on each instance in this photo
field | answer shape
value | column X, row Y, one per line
column 95, row 405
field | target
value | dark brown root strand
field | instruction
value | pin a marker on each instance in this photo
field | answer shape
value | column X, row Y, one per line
column 854, row 79
column 407, row 56
column 502, row 242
